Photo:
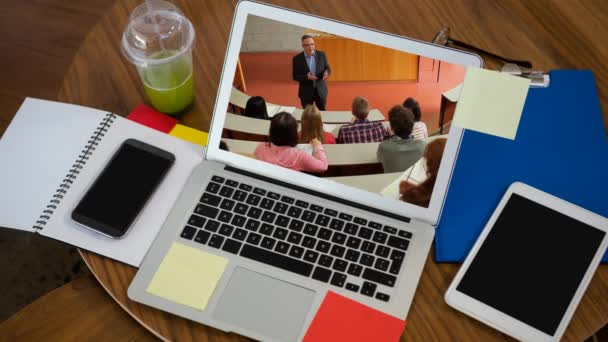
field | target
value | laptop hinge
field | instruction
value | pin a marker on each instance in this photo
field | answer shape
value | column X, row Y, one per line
column 318, row 194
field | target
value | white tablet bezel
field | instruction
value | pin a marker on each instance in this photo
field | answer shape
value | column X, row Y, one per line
column 501, row 321
column 213, row 152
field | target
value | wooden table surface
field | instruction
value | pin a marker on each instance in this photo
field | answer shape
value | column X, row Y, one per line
column 564, row 34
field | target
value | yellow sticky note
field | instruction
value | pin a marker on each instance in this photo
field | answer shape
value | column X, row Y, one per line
column 187, row 276
column 491, row 102
column 189, row 134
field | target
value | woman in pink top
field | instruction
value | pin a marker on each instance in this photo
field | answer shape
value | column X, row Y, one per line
column 281, row 149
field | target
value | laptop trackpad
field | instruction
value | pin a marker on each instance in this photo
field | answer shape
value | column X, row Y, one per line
column 268, row 306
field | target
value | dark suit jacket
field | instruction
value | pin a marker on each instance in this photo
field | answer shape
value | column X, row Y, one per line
column 300, row 69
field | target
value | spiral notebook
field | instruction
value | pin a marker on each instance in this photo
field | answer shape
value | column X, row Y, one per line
column 51, row 153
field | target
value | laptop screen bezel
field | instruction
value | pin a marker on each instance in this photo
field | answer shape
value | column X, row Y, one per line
column 213, row 152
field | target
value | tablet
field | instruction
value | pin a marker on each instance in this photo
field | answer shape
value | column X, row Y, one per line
column 529, row 268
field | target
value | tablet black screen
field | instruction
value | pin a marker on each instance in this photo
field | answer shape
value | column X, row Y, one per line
column 531, row 263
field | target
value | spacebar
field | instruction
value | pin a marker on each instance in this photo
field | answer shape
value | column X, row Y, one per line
column 276, row 260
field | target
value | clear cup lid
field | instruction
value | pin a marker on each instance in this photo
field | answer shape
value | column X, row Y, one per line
column 156, row 31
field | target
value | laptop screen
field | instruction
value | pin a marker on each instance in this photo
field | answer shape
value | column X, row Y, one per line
column 364, row 115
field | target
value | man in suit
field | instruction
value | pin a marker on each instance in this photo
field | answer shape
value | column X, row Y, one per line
column 311, row 68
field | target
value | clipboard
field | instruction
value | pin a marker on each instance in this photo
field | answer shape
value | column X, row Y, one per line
column 561, row 148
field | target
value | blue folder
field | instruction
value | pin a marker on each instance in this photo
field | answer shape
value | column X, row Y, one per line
column 560, row 147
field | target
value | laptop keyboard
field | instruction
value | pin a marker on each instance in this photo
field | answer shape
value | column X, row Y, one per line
column 298, row 236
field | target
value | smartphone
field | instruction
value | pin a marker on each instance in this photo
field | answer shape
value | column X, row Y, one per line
column 120, row 192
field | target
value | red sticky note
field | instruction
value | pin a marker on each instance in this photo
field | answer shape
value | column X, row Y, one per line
column 342, row 319
column 149, row 117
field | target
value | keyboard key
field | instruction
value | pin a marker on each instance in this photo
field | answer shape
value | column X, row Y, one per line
column 398, row 243
column 310, row 229
column 325, row 260
column 397, row 255
column 379, row 277
column 352, row 287
column 213, row 187
column 331, row 212
column 266, row 229
column 383, row 297
column 226, row 230
column 268, row 242
column 206, row 210
column 311, row 256
column 227, row 204
column 337, row 251
column 361, row 221
column 365, row 233
column 254, row 238
column 253, row 199
column 287, row 199
column 280, row 233
column 321, row 274
column 302, row 204
column 353, row 242
column 259, row 191
column 212, row 226
column 239, row 195
column 338, row 238
column 345, row 216
column 239, row 220
column 282, row 247
column 338, row 279
column 196, row 221
column 217, row 179
column 405, row 234
column 379, row 237
column 296, row 252
column 382, row 251
column 368, row 289
column 240, row 234
column 323, row 246
column 225, row 216
column 241, row 208
column 382, row 264
column 340, row 265
column 294, row 238
column 324, row 234
column 316, row 208
column 309, row 242
column 368, row 247
column 267, row 203
column 296, row 225
column 294, row 212
column 210, row 199
column 226, row 191
column 351, row 229
column 232, row 183
column 273, row 195
column 245, row 187
column 216, row 241
column 202, row 237
column 354, row 269
column 280, row 208
column 254, row 213
column 395, row 267
column 390, row 230
column 336, row 224
column 352, row 255
column 282, row 221
column 232, row 246
column 276, row 260
column 268, row 216
column 367, row 259
column 188, row 232
column 374, row 225
column 308, row 216
column 322, row 220
column 252, row 225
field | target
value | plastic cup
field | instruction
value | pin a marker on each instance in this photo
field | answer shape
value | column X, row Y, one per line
column 158, row 40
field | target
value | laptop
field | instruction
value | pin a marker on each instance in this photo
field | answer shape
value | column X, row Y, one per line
column 281, row 251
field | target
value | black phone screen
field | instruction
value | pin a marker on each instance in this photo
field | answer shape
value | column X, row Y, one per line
column 122, row 189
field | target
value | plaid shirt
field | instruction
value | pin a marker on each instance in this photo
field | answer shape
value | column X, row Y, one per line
column 362, row 131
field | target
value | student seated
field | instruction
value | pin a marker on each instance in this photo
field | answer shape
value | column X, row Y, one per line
column 361, row 130
column 256, row 108
column 312, row 127
column 281, row 149
column 419, row 131
column 421, row 194
column 401, row 150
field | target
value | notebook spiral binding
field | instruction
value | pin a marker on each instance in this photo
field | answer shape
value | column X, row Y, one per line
column 74, row 171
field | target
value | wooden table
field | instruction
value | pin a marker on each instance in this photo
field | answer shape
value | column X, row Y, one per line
column 562, row 34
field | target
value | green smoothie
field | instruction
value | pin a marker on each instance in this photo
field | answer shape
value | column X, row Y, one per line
column 169, row 85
